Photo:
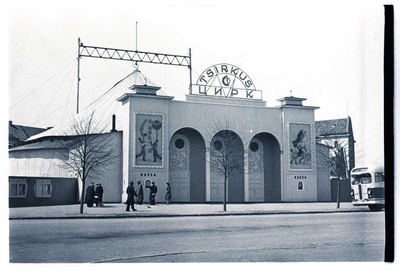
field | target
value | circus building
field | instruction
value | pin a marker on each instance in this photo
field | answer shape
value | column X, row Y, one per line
column 163, row 139
column 175, row 140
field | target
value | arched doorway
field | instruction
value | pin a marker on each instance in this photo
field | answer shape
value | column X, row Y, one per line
column 256, row 171
column 264, row 169
column 187, row 166
column 226, row 155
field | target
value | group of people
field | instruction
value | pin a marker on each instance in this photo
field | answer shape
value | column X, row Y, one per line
column 94, row 195
column 138, row 193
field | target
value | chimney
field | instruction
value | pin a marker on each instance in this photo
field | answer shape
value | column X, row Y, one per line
column 113, row 124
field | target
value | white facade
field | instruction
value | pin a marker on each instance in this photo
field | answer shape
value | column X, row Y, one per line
column 193, row 119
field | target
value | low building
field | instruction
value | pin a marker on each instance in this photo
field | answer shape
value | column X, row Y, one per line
column 41, row 163
column 17, row 134
column 339, row 133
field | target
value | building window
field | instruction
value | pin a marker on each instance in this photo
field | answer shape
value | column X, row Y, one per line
column 18, row 188
column 218, row 145
column 379, row 177
column 179, row 143
column 43, row 189
column 300, row 186
column 254, row 146
column 147, row 183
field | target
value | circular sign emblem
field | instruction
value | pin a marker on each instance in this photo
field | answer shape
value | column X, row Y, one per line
column 228, row 81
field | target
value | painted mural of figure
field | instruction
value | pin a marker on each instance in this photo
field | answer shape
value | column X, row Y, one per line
column 155, row 151
column 293, row 156
column 300, row 150
column 142, row 153
column 148, row 140
column 142, row 141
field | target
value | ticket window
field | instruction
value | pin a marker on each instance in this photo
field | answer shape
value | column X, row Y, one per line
column 300, row 186
column 147, row 183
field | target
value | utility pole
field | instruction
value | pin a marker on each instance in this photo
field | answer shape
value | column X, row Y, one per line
column 190, row 71
column 136, row 36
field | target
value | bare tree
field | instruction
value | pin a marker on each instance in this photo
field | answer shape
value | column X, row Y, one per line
column 226, row 151
column 91, row 150
column 337, row 159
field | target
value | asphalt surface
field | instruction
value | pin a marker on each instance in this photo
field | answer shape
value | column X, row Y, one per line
column 117, row 210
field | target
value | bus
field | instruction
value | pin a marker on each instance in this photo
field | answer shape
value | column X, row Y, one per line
column 368, row 187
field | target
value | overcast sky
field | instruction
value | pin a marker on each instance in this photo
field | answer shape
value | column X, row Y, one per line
column 330, row 52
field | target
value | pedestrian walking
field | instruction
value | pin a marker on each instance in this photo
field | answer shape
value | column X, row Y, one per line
column 139, row 193
column 168, row 194
column 99, row 191
column 153, row 193
column 90, row 195
column 130, row 201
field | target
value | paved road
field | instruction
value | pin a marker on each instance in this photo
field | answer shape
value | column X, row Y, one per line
column 277, row 238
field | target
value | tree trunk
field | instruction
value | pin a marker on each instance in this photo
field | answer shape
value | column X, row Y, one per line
column 338, row 193
column 225, row 182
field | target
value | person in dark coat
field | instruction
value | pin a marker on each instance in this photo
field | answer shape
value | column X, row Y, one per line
column 139, row 193
column 99, row 191
column 153, row 193
column 130, row 202
column 168, row 194
column 90, row 195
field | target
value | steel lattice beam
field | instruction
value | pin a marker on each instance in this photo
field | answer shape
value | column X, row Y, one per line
column 136, row 56
column 129, row 55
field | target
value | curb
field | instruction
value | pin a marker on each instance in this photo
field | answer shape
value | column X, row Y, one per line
column 160, row 215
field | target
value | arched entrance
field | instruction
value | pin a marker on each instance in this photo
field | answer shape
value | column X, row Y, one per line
column 264, row 169
column 256, row 171
column 187, row 166
column 227, row 155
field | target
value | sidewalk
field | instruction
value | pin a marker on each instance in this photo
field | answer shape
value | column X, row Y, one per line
column 117, row 210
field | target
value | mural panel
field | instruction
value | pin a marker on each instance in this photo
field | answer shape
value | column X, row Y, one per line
column 149, row 140
column 300, row 146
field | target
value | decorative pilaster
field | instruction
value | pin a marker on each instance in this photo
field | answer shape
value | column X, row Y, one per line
column 246, row 175
column 208, row 175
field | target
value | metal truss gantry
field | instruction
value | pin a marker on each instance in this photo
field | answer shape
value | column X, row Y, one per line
column 135, row 56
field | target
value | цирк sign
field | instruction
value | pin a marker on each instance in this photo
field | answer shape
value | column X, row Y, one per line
column 226, row 80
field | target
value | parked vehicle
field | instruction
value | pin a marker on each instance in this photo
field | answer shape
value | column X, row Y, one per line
column 368, row 187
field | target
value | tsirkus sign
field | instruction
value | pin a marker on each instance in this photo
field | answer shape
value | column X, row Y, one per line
column 226, row 80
